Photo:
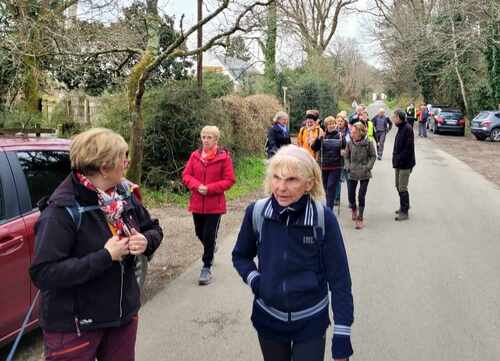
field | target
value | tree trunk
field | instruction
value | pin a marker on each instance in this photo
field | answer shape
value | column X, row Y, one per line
column 456, row 63
column 270, row 47
column 137, row 78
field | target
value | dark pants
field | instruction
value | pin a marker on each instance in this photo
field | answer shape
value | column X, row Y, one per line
column 331, row 180
column 107, row 344
column 351, row 190
column 312, row 350
column 206, row 227
column 380, row 142
column 402, row 180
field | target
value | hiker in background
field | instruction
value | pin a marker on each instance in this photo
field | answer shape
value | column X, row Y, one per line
column 290, row 305
column 403, row 161
column 382, row 125
column 85, row 268
column 277, row 134
column 422, row 121
column 411, row 114
column 359, row 160
column 356, row 116
column 369, row 126
column 208, row 174
column 343, row 128
column 308, row 133
column 329, row 146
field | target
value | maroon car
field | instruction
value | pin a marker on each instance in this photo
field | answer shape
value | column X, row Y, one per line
column 30, row 169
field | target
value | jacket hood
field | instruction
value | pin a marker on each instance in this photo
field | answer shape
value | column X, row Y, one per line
column 69, row 191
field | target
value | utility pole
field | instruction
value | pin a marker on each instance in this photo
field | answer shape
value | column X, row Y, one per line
column 199, row 71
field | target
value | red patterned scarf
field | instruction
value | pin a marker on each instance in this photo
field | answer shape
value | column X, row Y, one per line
column 110, row 203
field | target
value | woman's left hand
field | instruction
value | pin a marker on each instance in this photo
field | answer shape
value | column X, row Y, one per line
column 137, row 243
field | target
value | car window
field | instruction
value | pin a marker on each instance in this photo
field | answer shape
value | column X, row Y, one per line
column 452, row 115
column 497, row 115
column 44, row 170
column 481, row 116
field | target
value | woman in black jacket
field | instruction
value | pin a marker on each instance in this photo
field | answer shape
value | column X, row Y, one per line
column 329, row 146
column 277, row 134
column 87, row 239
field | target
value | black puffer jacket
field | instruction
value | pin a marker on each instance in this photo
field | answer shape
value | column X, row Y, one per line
column 403, row 155
column 82, row 288
column 329, row 150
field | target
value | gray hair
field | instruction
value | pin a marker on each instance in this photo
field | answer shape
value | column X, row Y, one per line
column 279, row 115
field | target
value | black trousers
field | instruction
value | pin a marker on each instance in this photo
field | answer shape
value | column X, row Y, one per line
column 351, row 189
column 312, row 350
column 331, row 180
column 206, row 227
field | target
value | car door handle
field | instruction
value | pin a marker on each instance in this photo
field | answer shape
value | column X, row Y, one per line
column 9, row 245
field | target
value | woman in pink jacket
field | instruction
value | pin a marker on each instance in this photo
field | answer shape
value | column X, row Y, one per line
column 208, row 174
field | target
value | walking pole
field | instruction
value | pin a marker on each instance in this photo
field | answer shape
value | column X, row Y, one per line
column 21, row 331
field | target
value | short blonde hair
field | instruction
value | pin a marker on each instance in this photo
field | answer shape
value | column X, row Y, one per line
column 329, row 120
column 96, row 148
column 280, row 115
column 211, row 129
column 342, row 114
column 361, row 129
column 291, row 159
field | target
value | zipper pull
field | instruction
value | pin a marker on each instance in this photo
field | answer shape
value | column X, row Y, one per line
column 78, row 333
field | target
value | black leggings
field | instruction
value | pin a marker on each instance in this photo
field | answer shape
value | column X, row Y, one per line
column 312, row 350
column 206, row 227
column 351, row 189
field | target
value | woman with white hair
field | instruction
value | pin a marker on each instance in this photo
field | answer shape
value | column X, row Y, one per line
column 277, row 134
column 208, row 174
column 301, row 255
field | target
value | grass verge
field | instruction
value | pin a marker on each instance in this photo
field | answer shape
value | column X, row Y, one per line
column 249, row 176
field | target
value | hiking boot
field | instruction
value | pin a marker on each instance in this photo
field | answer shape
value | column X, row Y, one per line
column 205, row 276
column 359, row 223
column 354, row 214
column 401, row 216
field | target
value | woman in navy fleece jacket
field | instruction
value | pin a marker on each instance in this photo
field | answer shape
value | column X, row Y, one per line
column 297, row 265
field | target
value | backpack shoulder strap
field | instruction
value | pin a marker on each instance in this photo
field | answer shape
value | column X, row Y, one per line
column 76, row 211
column 258, row 217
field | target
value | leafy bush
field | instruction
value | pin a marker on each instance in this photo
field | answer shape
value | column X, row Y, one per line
column 217, row 85
column 173, row 117
column 307, row 90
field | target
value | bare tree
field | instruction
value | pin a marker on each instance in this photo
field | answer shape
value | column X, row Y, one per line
column 152, row 58
column 313, row 21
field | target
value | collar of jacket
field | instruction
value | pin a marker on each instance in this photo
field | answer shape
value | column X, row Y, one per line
column 303, row 211
column 221, row 154
column 363, row 141
column 334, row 134
column 71, row 189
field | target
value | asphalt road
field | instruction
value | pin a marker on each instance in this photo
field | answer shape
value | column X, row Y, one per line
column 426, row 289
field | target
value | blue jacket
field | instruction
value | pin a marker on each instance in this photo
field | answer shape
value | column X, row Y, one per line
column 296, row 270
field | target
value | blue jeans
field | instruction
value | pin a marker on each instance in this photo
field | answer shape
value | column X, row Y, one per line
column 422, row 129
column 331, row 180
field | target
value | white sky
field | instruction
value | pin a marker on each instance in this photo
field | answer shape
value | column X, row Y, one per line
column 355, row 25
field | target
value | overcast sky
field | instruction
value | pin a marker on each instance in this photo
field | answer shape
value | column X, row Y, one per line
column 353, row 26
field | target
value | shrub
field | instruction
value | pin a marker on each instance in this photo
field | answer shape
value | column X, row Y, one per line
column 217, row 85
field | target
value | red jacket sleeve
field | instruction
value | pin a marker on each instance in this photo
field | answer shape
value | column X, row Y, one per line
column 227, row 181
column 188, row 176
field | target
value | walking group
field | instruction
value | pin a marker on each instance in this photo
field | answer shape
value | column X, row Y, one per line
column 289, row 250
